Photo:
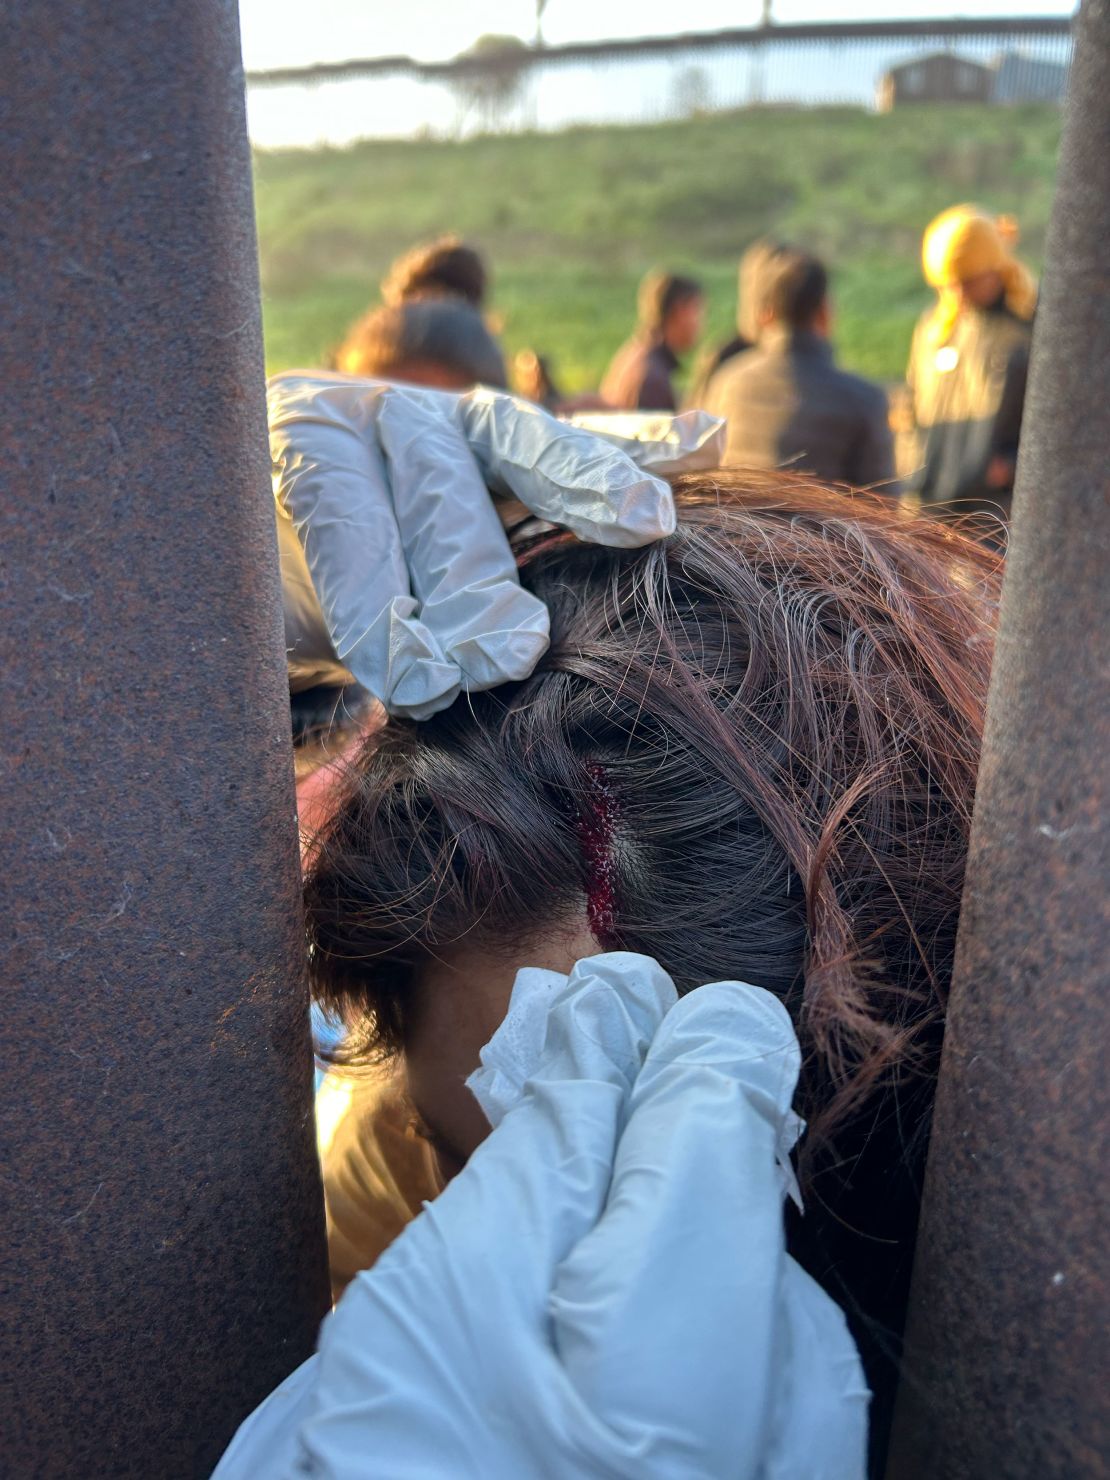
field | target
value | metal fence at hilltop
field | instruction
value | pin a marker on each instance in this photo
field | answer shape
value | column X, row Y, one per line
column 1022, row 59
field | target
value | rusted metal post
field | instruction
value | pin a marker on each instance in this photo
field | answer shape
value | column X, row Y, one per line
column 1008, row 1356
column 161, row 1243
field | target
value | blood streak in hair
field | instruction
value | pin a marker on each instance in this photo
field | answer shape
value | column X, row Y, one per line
column 595, row 826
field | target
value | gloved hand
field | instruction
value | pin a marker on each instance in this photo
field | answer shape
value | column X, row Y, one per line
column 396, row 570
column 604, row 1290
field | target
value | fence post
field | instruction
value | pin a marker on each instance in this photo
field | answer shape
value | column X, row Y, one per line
column 162, row 1257
column 1005, row 1376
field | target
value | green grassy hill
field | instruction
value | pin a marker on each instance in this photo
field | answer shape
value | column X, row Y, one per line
column 570, row 221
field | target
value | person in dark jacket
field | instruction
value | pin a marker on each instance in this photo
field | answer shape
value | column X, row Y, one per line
column 968, row 364
column 754, row 265
column 670, row 321
column 787, row 403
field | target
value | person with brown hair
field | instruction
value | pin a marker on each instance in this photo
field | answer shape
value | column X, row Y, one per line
column 787, row 402
column 753, row 268
column 750, row 754
column 443, row 268
column 436, row 342
column 669, row 321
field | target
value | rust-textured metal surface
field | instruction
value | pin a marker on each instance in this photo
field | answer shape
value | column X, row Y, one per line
column 1007, row 1373
column 161, row 1249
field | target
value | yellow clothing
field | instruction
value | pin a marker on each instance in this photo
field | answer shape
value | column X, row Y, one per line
column 378, row 1172
column 967, row 395
column 962, row 243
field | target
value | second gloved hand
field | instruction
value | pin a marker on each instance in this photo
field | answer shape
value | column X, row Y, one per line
column 395, row 567
column 604, row 1290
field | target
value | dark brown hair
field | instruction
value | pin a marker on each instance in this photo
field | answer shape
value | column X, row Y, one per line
column 795, row 286
column 659, row 293
column 784, row 701
column 446, row 267
column 442, row 333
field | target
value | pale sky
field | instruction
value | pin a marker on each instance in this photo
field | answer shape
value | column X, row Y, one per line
column 290, row 33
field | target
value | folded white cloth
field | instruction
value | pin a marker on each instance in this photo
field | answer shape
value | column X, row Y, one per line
column 604, row 1290
column 395, row 568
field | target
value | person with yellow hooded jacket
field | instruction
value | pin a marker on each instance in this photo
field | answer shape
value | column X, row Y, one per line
column 968, row 364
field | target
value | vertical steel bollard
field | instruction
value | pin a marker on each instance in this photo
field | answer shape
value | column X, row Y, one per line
column 1008, row 1355
column 162, row 1234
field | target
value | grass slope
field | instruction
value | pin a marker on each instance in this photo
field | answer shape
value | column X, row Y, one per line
column 570, row 221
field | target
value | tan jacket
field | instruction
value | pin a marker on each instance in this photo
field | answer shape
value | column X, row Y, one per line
column 378, row 1172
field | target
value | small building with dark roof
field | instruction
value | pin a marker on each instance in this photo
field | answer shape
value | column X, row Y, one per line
column 942, row 77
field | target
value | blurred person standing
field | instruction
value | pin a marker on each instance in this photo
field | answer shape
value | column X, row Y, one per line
column 441, row 342
column 787, row 403
column 639, row 378
column 444, row 268
column 751, row 276
column 969, row 362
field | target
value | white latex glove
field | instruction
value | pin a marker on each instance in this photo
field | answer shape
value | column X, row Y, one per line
column 604, row 1290
column 395, row 568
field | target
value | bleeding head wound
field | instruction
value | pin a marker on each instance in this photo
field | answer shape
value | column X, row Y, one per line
column 595, row 824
